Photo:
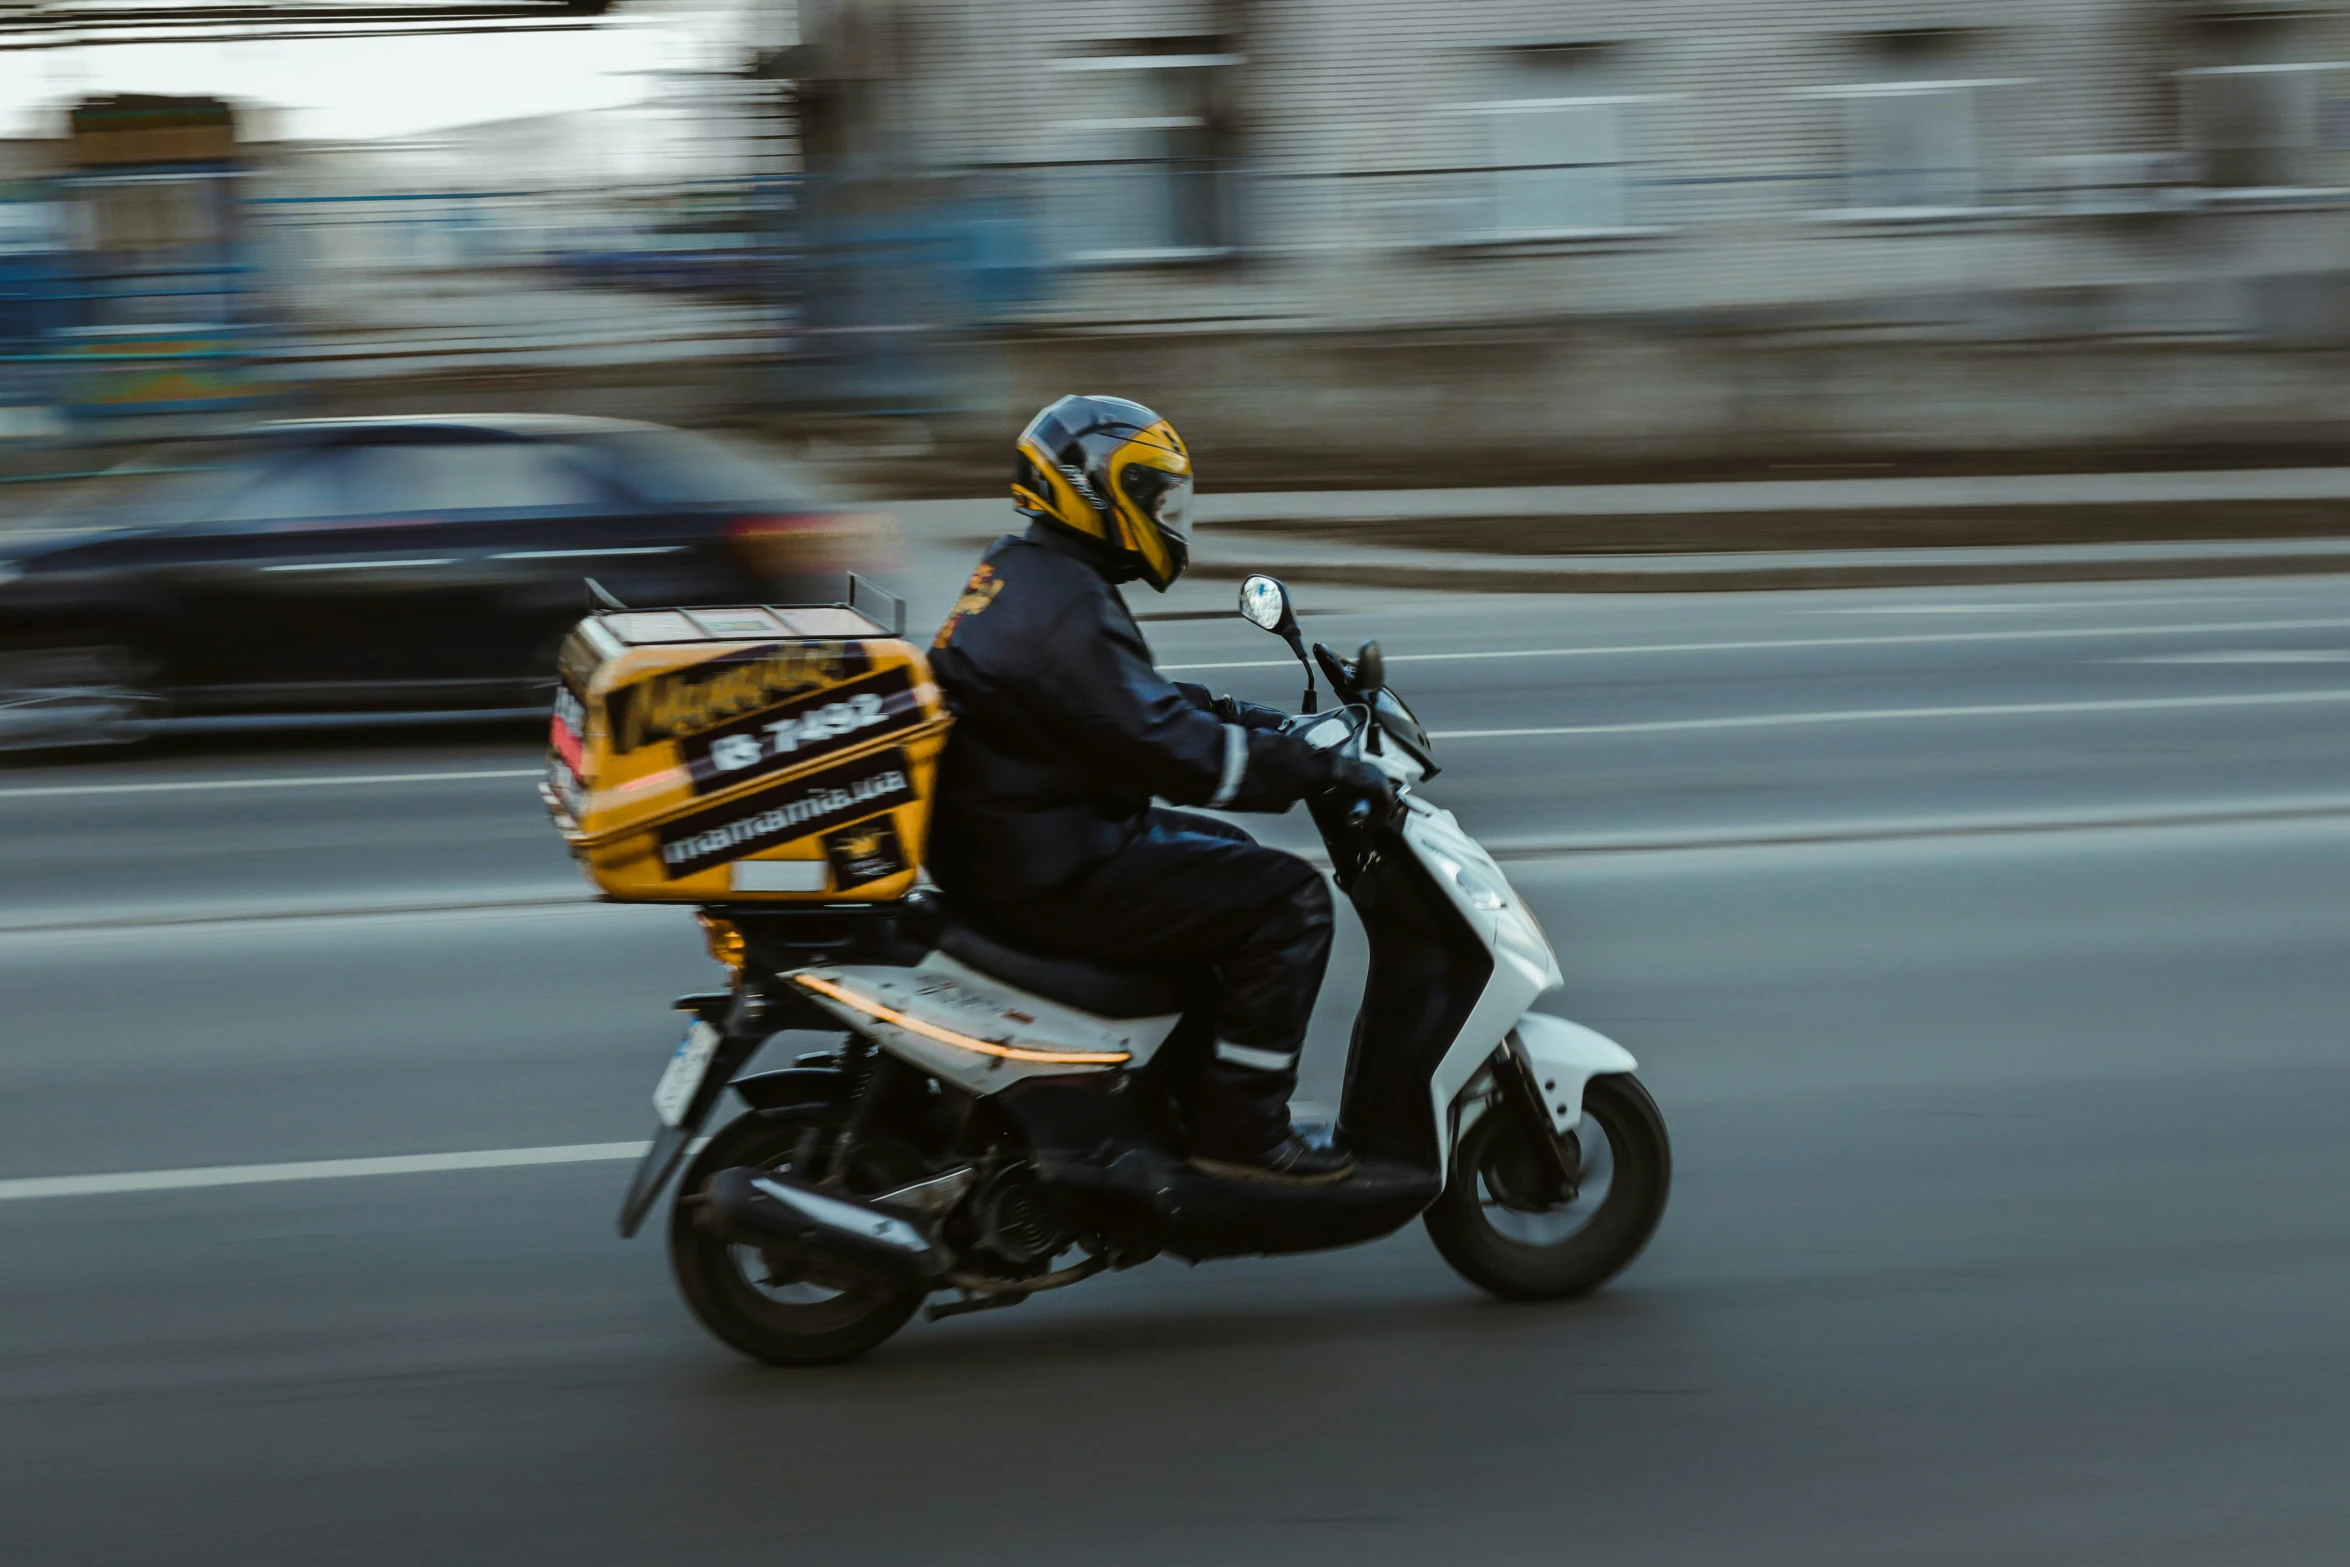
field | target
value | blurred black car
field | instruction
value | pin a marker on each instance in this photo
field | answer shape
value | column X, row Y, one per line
column 386, row 565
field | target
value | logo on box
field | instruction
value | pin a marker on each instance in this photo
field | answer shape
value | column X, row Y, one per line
column 869, row 851
column 800, row 809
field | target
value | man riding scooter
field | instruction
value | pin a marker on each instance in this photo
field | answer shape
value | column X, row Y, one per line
column 1046, row 833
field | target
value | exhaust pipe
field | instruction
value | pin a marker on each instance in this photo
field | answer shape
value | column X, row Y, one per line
column 800, row 1222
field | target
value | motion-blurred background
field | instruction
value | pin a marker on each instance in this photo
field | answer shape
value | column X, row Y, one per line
column 1519, row 238
column 1854, row 486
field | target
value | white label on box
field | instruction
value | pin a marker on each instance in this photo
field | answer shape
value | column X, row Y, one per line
column 781, row 876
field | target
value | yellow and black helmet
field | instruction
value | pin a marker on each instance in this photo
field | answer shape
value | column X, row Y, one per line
column 1114, row 473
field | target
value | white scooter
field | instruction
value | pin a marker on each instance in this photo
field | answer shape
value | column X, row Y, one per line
column 998, row 1122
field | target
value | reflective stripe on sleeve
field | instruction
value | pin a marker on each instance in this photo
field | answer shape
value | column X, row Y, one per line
column 1235, row 766
column 1255, row 1059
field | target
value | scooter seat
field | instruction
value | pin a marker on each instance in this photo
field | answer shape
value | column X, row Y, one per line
column 1105, row 992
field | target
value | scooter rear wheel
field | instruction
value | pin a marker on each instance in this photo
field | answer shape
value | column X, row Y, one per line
column 736, row 1291
column 1503, row 1234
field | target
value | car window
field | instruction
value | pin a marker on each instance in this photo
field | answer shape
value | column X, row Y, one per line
column 453, row 476
column 163, row 485
column 304, row 488
column 682, row 468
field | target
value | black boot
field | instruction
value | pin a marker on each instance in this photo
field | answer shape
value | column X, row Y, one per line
column 1290, row 1162
column 1240, row 1121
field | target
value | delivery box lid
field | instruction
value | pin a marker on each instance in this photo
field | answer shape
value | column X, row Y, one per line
column 648, row 627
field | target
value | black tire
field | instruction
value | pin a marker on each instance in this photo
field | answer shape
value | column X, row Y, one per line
column 68, row 691
column 1602, row 1233
column 742, row 1312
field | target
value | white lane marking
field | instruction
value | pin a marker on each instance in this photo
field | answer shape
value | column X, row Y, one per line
column 2242, row 656
column 84, row 920
column 2254, row 811
column 29, row 1188
column 2033, row 608
column 323, row 781
column 1764, row 645
column 1882, row 715
column 363, row 565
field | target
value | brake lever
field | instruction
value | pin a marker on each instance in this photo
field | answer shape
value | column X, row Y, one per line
column 1338, row 672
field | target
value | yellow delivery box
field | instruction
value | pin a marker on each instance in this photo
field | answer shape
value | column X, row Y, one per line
column 744, row 755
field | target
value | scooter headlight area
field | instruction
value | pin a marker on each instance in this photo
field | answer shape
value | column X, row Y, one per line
column 1478, row 885
column 985, row 1122
column 1482, row 892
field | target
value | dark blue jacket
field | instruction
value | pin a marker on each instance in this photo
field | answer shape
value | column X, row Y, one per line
column 1064, row 731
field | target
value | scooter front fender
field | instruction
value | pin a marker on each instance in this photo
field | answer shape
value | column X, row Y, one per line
column 1565, row 1056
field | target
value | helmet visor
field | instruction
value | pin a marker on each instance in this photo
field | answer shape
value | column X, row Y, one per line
column 1163, row 497
column 1173, row 510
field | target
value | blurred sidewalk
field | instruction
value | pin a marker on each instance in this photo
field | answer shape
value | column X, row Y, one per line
column 1470, row 571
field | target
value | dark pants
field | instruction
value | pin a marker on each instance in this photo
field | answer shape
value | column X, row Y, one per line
column 1193, row 894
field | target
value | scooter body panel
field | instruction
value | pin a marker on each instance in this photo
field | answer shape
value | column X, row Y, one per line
column 1524, row 966
column 919, row 1013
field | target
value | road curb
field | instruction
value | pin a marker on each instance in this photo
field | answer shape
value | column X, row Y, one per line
column 1492, row 577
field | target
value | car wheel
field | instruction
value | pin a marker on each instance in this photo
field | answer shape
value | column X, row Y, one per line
column 95, row 692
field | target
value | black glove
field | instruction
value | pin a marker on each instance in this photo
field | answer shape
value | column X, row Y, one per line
column 1249, row 715
column 1353, row 779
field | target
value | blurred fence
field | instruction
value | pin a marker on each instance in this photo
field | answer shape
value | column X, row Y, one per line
column 437, row 282
column 893, row 294
column 126, row 303
column 844, row 295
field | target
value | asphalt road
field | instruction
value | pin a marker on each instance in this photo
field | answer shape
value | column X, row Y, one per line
column 1984, row 948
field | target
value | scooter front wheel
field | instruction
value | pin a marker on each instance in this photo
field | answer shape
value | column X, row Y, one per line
column 1505, row 1226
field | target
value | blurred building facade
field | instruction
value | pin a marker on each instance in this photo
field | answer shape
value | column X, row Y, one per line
column 631, row 235
column 1330, row 237
column 628, row 257
column 1650, row 229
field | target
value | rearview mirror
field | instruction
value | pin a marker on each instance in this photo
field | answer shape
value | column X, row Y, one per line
column 1264, row 604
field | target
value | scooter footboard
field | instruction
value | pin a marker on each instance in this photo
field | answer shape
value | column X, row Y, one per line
column 1096, row 1148
column 1565, row 1056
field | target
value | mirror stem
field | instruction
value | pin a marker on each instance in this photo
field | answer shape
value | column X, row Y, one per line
column 1297, row 645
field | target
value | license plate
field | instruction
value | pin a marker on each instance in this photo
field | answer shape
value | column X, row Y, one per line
column 675, row 1092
